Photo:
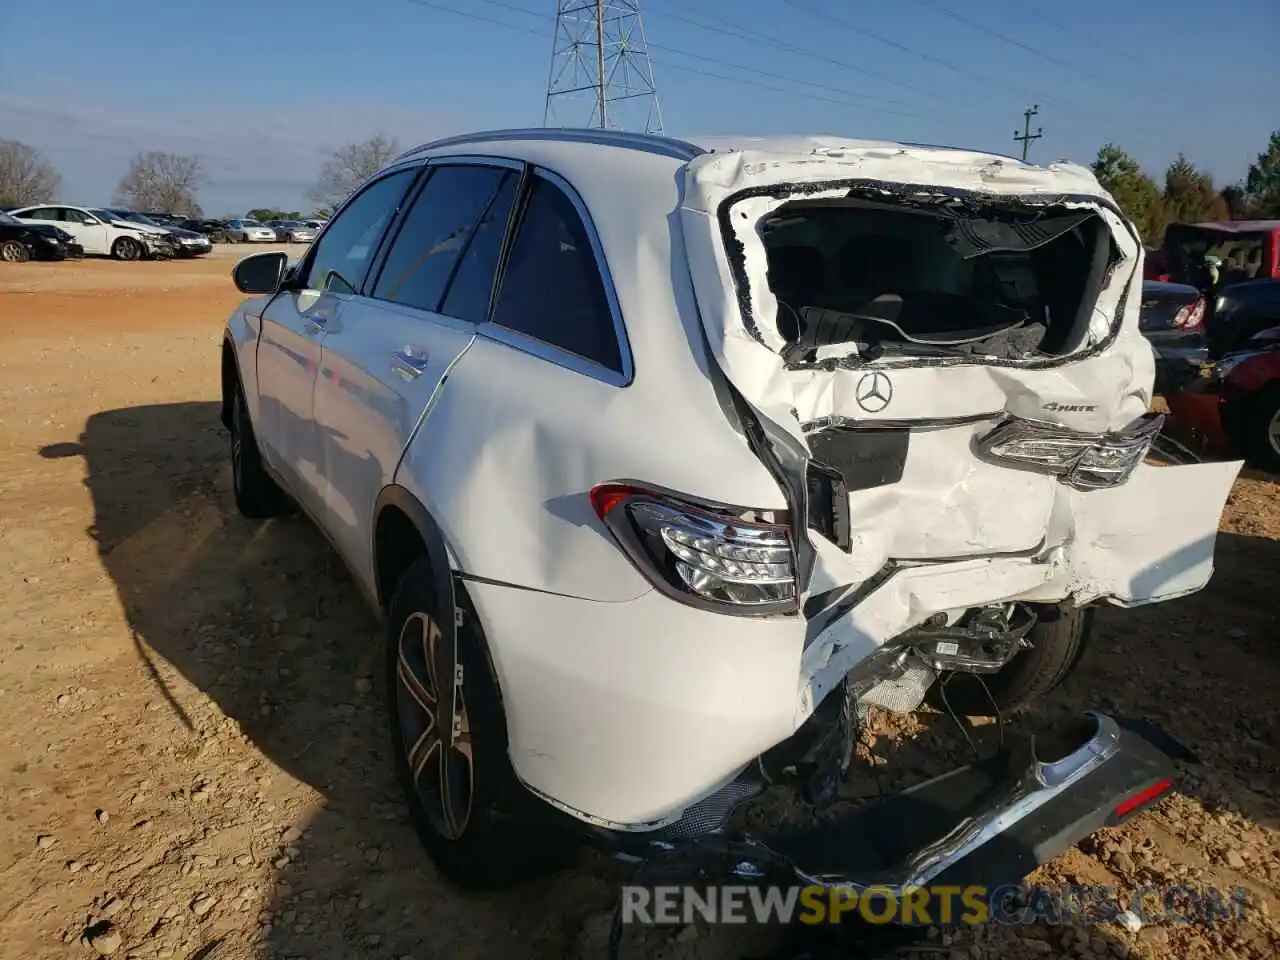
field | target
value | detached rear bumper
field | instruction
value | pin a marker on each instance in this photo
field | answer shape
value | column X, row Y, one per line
column 990, row 823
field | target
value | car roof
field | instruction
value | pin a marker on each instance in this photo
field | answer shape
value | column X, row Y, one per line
column 682, row 149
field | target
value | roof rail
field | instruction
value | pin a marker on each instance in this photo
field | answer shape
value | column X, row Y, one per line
column 941, row 146
column 649, row 143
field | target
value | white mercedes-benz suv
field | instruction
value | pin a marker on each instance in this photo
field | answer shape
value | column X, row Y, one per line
column 662, row 461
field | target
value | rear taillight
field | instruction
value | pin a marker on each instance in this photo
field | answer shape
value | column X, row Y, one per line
column 1086, row 461
column 706, row 555
column 1190, row 317
column 1144, row 797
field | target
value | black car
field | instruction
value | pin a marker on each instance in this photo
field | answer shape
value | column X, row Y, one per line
column 186, row 243
column 163, row 219
column 20, row 242
column 1172, row 318
column 219, row 231
column 1240, row 312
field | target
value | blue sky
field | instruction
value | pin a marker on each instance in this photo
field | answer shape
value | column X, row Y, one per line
column 259, row 88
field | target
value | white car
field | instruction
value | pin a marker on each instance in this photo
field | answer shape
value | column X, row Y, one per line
column 663, row 461
column 250, row 231
column 101, row 233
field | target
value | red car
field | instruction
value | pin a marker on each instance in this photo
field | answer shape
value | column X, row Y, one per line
column 1235, row 407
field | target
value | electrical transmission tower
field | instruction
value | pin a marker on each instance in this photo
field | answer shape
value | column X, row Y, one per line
column 600, row 58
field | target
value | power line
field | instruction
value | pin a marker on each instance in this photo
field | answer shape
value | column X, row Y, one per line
column 759, row 37
column 751, row 68
column 1004, row 38
column 860, row 30
column 844, row 101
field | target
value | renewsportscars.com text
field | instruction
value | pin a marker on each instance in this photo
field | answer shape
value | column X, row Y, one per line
column 929, row 905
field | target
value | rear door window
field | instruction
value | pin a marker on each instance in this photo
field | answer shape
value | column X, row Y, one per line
column 472, row 287
column 438, row 228
column 551, row 289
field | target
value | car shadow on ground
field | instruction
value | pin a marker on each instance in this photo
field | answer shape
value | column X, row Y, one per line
column 263, row 620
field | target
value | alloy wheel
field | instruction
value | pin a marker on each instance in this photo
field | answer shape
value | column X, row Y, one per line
column 1273, row 432
column 434, row 727
column 11, row 251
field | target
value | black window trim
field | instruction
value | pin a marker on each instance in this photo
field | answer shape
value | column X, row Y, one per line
column 393, row 233
column 560, row 356
column 304, row 265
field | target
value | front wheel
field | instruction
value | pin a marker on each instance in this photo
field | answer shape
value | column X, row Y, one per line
column 449, row 744
column 1058, row 641
column 11, row 251
column 126, row 248
column 1262, row 428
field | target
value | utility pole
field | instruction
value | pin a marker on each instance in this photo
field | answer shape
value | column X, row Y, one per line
column 1027, row 136
column 599, row 56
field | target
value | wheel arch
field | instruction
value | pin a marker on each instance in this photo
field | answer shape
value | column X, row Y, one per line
column 403, row 532
column 230, row 379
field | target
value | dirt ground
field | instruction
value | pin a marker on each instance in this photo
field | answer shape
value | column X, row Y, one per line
column 192, row 755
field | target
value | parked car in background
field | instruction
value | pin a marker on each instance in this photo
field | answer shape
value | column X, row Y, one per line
column 663, row 462
column 186, row 243
column 292, row 231
column 1242, row 249
column 250, row 231
column 21, row 241
column 1239, row 312
column 1234, row 407
column 218, row 231
column 1172, row 319
column 101, row 234
column 316, row 225
column 163, row 219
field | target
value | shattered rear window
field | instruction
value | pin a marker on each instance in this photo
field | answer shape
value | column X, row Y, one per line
column 931, row 279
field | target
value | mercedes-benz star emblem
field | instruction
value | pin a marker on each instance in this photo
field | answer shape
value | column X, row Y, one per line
column 874, row 392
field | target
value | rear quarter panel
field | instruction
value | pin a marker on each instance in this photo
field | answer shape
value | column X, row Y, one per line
column 508, row 454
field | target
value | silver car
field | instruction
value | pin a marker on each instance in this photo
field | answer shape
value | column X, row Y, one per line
column 292, row 231
column 250, row 231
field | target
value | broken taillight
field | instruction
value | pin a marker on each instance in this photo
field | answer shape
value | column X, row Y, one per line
column 705, row 555
column 1143, row 797
column 1086, row 461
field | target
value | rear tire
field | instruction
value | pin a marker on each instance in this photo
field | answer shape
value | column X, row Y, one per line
column 257, row 496
column 478, row 844
column 126, row 248
column 11, row 251
column 1056, row 648
column 1261, row 435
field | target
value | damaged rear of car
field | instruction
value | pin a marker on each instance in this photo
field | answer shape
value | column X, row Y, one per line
column 724, row 447
column 941, row 350
column 938, row 354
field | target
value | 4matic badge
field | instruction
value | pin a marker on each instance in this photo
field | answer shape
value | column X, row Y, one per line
column 1056, row 407
column 874, row 392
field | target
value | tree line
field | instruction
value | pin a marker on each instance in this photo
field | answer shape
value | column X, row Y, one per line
column 170, row 183
column 160, row 182
column 1188, row 194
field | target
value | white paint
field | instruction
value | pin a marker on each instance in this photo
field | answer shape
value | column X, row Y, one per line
column 625, row 707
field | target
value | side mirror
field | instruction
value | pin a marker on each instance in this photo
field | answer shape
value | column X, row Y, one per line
column 260, row 273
